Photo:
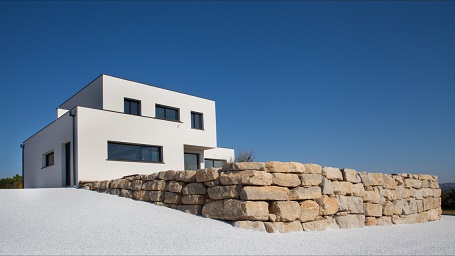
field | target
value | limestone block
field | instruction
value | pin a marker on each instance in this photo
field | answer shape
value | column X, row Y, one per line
column 285, row 179
column 156, row 196
column 187, row 176
column 160, row 175
column 247, row 177
column 355, row 204
column 311, row 179
column 437, row 192
column 342, row 187
column 212, row 183
column 288, row 167
column 115, row 191
column 350, row 221
column 400, row 192
column 389, row 182
column 116, row 183
column 388, row 209
column 406, row 208
column 232, row 209
column 319, row 225
column 372, row 196
column 175, row 186
column 425, row 177
column 272, row 217
column 328, row 205
column 248, row 224
column 283, row 227
column 425, row 183
column 192, row 209
column 398, row 207
column 327, row 187
column 332, row 173
column 154, row 185
column 342, row 203
column 285, row 210
column 193, row 199
column 424, row 217
column 172, row 198
column 313, row 168
column 370, row 221
column 224, row 192
column 350, row 175
column 302, row 193
column 172, row 206
column 398, row 179
column 152, row 176
column 141, row 195
column 412, row 206
column 358, row 190
column 126, row 184
column 209, row 174
column 126, row 193
column 372, row 210
column 396, row 219
column 419, row 205
column 388, row 194
column 243, row 166
column 372, row 179
column 309, row 210
column 384, row 221
column 264, row 193
column 434, row 214
column 194, row 189
column 169, row 175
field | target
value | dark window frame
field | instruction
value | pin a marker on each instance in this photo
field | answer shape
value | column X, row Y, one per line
column 47, row 159
column 161, row 157
column 198, row 165
column 129, row 100
column 165, row 108
column 193, row 121
column 213, row 162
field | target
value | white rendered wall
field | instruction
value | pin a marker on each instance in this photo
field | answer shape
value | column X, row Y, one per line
column 90, row 96
column 51, row 138
column 220, row 154
column 116, row 89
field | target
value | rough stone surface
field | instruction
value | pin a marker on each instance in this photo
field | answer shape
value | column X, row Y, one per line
column 224, row 192
column 327, row 187
column 283, row 227
column 193, row 199
column 350, row 221
column 328, row 205
column 248, row 224
column 187, row 176
column 309, row 210
column 350, row 175
column 372, row 196
column 289, row 167
column 243, row 166
column 207, row 174
column 172, row 198
column 332, row 173
column 169, row 175
column 384, row 221
column 285, row 210
column 264, row 193
column 247, row 177
column 388, row 209
column 192, row 209
column 175, row 186
column 370, row 221
column 154, row 185
column 285, row 179
column 232, row 209
column 302, row 193
column 373, row 210
column 319, row 225
column 141, row 195
column 156, row 196
column 311, row 179
column 355, row 204
column 313, row 168
column 194, row 189
column 342, row 188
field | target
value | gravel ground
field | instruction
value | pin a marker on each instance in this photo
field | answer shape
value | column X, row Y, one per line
column 72, row 221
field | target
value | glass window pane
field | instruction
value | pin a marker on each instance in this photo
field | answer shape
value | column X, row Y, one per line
column 171, row 114
column 160, row 112
column 191, row 161
column 218, row 163
column 134, row 108
column 156, row 154
column 50, row 159
column 125, row 152
column 208, row 163
column 126, row 105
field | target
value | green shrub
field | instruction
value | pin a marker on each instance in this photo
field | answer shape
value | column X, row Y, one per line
column 448, row 199
column 11, row 183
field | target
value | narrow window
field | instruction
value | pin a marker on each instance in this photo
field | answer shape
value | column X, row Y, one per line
column 167, row 113
column 132, row 107
column 49, row 159
column 209, row 163
column 135, row 153
column 197, row 121
column 191, row 161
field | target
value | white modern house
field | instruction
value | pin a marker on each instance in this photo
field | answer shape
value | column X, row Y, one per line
column 115, row 127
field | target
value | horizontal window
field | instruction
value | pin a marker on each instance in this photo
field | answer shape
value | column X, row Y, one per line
column 49, row 159
column 132, row 152
column 197, row 121
column 132, row 107
column 209, row 163
column 168, row 113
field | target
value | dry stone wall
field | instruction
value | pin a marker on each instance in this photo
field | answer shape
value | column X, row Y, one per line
column 286, row 197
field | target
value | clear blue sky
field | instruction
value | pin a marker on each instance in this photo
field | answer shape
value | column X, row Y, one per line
column 365, row 85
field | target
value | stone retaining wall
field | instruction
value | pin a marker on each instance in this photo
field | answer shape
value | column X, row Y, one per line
column 286, row 197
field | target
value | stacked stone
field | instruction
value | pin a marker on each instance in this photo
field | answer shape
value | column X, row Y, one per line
column 286, row 197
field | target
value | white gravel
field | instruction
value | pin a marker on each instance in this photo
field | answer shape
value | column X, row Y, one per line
column 72, row 221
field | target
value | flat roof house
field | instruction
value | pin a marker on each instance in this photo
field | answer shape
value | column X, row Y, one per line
column 115, row 127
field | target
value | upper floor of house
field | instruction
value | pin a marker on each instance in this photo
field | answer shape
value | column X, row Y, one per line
column 122, row 96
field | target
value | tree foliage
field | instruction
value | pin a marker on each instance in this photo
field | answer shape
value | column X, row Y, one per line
column 244, row 156
column 11, row 183
column 448, row 200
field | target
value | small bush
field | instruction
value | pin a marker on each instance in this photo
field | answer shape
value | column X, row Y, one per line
column 448, row 199
column 11, row 183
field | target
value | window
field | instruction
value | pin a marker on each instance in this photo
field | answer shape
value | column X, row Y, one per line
column 132, row 107
column 197, row 121
column 167, row 113
column 49, row 159
column 191, row 161
column 209, row 163
column 135, row 153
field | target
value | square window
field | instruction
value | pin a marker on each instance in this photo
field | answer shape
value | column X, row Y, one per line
column 197, row 121
column 49, row 159
column 132, row 107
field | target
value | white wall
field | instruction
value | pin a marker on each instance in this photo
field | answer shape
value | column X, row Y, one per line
column 90, row 96
column 116, row 89
column 220, row 153
column 51, row 138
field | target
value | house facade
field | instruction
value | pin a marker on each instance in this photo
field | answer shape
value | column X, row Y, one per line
column 115, row 127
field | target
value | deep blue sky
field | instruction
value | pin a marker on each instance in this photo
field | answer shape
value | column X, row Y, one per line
column 366, row 85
